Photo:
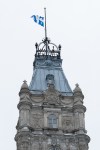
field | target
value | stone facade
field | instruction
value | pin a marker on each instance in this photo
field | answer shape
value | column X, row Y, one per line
column 33, row 129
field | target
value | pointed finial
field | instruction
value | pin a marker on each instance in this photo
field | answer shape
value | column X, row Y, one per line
column 36, row 45
column 77, row 85
column 59, row 47
column 25, row 81
column 77, row 88
column 24, row 85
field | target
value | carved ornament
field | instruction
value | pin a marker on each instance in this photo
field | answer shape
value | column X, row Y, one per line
column 37, row 121
column 67, row 123
column 52, row 96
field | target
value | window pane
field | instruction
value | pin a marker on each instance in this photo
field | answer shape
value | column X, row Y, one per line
column 55, row 121
column 52, row 121
column 54, row 125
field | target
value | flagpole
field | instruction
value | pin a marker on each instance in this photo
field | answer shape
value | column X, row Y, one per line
column 45, row 24
column 46, row 40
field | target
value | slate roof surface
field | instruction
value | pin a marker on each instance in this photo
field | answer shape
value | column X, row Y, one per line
column 39, row 84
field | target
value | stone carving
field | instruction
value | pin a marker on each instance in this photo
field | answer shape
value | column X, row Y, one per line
column 72, row 146
column 54, row 144
column 66, row 100
column 37, row 99
column 52, row 96
column 40, row 146
column 37, row 121
column 24, row 146
column 67, row 123
column 83, row 147
column 52, row 99
column 54, row 147
column 35, row 146
column 39, row 142
column 54, row 141
column 24, row 97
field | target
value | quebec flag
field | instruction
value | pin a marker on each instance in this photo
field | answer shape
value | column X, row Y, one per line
column 38, row 19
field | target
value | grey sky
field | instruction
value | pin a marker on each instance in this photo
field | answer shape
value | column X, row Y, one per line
column 74, row 24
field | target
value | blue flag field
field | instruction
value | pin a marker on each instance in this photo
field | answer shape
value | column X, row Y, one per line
column 38, row 19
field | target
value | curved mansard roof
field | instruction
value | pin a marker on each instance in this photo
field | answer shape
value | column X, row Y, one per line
column 48, row 70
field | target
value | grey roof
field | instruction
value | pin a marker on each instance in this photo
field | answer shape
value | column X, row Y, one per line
column 48, row 69
column 42, row 70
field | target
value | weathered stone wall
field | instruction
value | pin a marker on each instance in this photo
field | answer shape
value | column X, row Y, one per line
column 33, row 130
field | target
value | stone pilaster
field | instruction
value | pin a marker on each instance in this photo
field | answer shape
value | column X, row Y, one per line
column 23, row 139
column 23, row 135
column 79, row 109
column 24, row 106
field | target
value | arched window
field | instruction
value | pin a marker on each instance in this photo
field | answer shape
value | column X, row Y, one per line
column 52, row 121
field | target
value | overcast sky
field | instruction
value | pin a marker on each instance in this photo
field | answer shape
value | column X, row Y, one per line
column 75, row 24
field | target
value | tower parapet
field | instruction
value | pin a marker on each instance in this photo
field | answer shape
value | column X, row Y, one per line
column 47, row 50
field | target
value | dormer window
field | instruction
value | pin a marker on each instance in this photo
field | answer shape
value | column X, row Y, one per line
column 50, row 79
column 52, row 121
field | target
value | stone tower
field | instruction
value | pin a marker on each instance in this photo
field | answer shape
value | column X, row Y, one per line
column 51, row 115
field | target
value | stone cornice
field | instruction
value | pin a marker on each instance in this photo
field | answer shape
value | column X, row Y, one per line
column 24, row 103
column 23, row 134
column 78, row 108
column 82, row 137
